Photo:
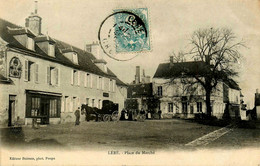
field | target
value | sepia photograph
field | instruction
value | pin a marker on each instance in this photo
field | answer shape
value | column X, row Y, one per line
column 113, row 82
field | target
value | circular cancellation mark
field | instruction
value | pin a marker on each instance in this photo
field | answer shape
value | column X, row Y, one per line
column 123, row 32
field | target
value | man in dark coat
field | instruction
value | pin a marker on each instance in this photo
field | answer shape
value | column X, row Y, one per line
column 77, row 114
column 160, row 114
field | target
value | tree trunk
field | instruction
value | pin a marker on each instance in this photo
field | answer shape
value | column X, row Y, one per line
column 208, row 104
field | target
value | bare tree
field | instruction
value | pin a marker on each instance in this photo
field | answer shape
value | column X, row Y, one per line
column 218, row 49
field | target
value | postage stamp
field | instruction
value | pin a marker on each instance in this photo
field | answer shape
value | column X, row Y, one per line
column 125, row 31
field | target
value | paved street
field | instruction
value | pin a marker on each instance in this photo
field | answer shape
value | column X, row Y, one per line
column 152, row 134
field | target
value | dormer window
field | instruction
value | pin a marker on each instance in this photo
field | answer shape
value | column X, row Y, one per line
column 30, row 43
column 51, row 50
column 75, row 58
column 70, row 54
column 24, row 36
column 46, row 44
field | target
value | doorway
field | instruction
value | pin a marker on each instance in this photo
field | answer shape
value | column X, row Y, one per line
column 11, row 110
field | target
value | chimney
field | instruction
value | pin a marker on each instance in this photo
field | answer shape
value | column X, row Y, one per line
column 36, row 7
column 257, row 91
column 34, row 22
column 137, row 75
column 94, row 48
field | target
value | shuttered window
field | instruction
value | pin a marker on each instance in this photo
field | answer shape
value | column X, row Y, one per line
column 36, row 73
column 57, row 76
column 26, row 70
column 78, row 75
column 48, row 75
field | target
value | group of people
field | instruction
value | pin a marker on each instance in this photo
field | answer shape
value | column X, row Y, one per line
column 131, row 114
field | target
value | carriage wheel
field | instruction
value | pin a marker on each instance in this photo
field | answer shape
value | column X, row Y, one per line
column 114, row 116
column 99, row 118
column 106, row 118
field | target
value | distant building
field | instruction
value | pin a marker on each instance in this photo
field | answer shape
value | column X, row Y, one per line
column 257, row 104
column 178, row 99
column 44, row 78
column 141, row 91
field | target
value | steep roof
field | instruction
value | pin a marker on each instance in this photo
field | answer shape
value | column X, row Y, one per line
column 85, row 59
column 140, row 90
column 169, row 70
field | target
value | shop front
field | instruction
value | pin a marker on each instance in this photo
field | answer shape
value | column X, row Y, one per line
column 43, row 106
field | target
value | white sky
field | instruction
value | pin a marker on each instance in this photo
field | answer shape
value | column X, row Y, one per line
column 171, row 24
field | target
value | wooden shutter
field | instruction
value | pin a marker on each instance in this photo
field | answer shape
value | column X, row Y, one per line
column 78, row 78
column 36, row 72
column 85, row 80
column 72, row 77
column 26, row 70
column 58, row 107
column 57, row 76
column 48, row 75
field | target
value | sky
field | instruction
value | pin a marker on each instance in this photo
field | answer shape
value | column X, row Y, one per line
column 171, row 23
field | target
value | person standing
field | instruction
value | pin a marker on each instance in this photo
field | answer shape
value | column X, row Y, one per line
column 77, row 114
column 160, row 114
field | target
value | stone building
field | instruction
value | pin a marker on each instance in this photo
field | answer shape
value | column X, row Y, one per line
column 140, row 91
column 178, row 98
column 257, row 104
column 42, row 77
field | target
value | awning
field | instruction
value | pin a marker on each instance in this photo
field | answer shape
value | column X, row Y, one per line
column 43, row 93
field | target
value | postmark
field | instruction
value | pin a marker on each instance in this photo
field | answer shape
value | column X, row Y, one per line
column 125, row 31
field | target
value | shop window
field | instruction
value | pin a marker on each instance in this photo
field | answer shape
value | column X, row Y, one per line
column 35, row 110
column 53, row 108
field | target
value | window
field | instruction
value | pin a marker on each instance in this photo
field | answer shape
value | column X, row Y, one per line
column 51, row 50
column 28, row 70
column 74, row 103
column 113, row 85
column 53, row 108
column 74, row 77
column 159, row 90
column 67, row 104
column 35, row 109
column 87, row 101
column 88, row 82
column 75, row 58
column 184, row 107
column 42, row 106
column 93, row 103
column 170, row 107
column 110, row 85
column 199, row 106
column 100, row 82
column 99, row 104
column 30, row 44
column 52, row 76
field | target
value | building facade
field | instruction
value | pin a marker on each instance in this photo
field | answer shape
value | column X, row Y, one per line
column 45, row 78
column 180, row 98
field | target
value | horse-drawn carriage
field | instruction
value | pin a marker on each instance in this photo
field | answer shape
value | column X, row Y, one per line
column 108, row 112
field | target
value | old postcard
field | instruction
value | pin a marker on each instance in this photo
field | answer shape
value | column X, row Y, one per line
column 95, row 82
